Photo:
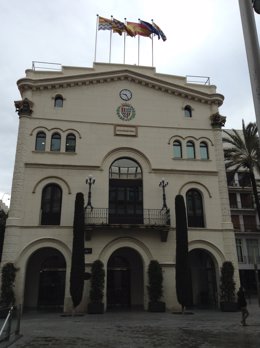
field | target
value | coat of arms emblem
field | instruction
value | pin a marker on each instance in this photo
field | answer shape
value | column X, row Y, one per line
column 126, row 112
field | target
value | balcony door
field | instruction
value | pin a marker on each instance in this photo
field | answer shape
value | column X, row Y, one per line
column 125, row 192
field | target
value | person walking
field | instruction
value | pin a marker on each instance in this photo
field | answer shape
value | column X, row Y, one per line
column 242, row 305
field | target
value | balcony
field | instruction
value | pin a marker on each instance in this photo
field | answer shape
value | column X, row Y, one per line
column 146, row 220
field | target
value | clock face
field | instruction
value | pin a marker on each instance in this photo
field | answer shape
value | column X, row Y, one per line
column 125, row 94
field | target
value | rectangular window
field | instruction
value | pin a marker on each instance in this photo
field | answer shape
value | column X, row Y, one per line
column 244, row 180
column 233, row 200
column 239, row 247
column 236, row 223
column 246, row 200
column 252, row 250
column 249, row 223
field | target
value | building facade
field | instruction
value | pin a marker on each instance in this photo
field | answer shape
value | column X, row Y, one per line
column 145, row 137
column 247, row 230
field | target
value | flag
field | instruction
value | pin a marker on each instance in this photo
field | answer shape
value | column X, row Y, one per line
column 138, row 29
column 151, row 28
column 118, row 27
column 104, row 23
column 164, row 38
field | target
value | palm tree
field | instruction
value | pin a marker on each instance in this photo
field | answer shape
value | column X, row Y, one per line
column 243, row 154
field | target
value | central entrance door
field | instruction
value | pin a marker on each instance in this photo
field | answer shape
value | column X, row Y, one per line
column 124, row 280
column 118, row 277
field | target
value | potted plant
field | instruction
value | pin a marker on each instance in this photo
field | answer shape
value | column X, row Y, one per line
column 96, row 305
column 155, row 287
column 227, row 288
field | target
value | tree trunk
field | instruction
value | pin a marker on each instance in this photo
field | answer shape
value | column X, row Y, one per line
column 254, row 187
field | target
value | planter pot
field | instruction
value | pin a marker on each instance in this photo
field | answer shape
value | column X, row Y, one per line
column 228, row 306
column 95, row 308
column 156, row 306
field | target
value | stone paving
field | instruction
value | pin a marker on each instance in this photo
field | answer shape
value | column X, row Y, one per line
column 202, row 329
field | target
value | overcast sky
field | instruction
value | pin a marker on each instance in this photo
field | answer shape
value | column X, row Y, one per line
column 204, row 37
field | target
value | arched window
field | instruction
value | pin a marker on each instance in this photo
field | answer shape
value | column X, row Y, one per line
column 51, row 205
column 190, row 149
column 204, row 153
column 125, row 192
column 55, row 142
column 177, row 150
column 187, row 111
column 40, row 141
column 58, row 101
column 194, row 208
column 70, row 143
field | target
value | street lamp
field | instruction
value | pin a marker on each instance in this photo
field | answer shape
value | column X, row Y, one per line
column 252, row 49
column 90, row 181
column 163, row 184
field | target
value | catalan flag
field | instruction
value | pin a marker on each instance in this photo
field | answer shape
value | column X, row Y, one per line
column 138, row 29
column 164, row 38
column 104, row 23
column 151, row 28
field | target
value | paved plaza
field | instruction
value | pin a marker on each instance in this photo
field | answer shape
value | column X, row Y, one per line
column 139, row 329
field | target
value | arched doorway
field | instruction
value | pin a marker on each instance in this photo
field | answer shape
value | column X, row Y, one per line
column 125, row 280
column 203, row 276
column 125, row 192
column 45, row 279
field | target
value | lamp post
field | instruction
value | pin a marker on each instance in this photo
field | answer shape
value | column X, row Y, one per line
column 252, row 49
column 90, row 181
column 163, row 183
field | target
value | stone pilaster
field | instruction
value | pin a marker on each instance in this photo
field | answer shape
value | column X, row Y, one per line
column 24, row 110
column 229, row 243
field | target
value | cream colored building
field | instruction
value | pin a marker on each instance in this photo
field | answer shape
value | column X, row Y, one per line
column 131, row 128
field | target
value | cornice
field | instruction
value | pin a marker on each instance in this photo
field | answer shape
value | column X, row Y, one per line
column 99, row 168
column 89, row 79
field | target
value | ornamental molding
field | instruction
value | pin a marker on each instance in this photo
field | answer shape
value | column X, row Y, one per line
column 23, row 107
column 60, row 82
column 217, row 120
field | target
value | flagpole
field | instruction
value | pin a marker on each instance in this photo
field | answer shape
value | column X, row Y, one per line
column 124, row 42
column 96, row 38
column 138, row 60
column 110, row 42
column 152, row 44
column 138, row 46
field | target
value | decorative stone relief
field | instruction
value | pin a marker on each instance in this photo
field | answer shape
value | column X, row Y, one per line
column 217, row 120
column 24, row 107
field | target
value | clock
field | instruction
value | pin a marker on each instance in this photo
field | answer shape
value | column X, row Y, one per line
column 125, row 94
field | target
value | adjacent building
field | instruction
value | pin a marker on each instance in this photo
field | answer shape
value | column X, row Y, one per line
column 247, row 229
column 145, row 137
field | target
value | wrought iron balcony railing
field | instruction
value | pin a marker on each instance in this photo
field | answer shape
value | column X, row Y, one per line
column 149, row 217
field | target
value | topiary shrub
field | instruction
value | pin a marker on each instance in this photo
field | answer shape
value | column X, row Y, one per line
column 96, row 294
column 227, row 287
column 7, row 288
column 78, row 257
column 155, row 287
column 182, row 273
